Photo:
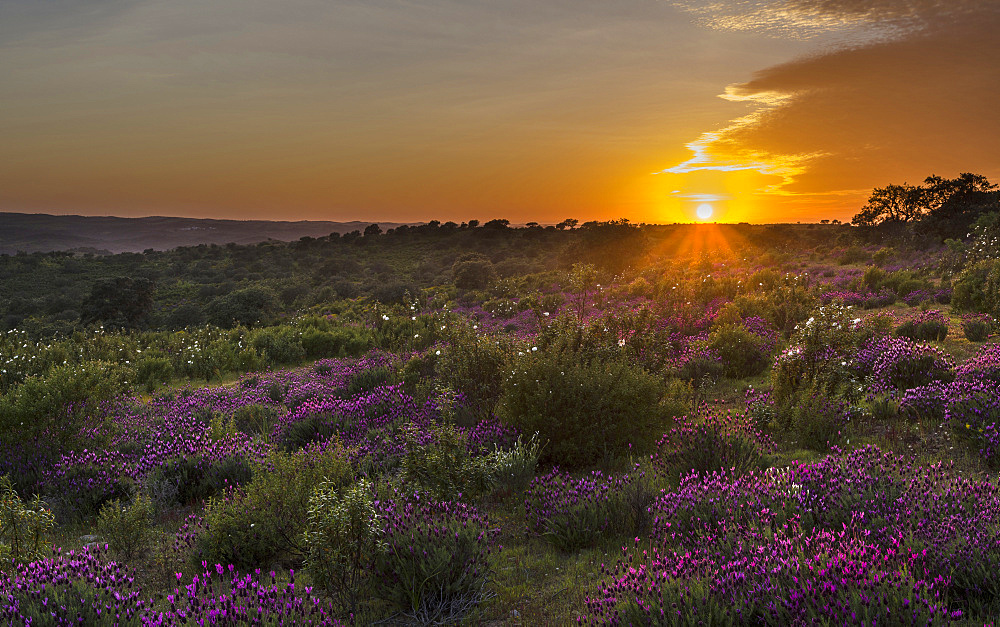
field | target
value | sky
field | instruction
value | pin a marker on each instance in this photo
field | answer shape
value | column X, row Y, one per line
column 411, row 110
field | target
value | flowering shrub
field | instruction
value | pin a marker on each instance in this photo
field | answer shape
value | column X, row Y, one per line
column 718, row 441
column 817, row 354
column 435, row 565
column 978, row 327
column 927, row 326
column 72, row 588
column 860, row 535
column 571, row 513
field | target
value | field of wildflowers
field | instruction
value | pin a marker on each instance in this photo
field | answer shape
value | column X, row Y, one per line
column 707, row 439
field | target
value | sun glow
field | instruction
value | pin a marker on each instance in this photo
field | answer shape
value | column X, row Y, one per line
column 704, row 211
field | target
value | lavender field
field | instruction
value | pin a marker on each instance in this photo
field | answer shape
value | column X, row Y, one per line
column 728, row 438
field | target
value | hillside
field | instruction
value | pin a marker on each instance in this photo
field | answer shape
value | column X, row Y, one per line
column 31, row 233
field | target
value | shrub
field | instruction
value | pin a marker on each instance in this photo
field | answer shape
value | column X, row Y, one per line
column 817, row 354
column 256, row 420
column 307, row 431
column 474, row 364
column 977, row 288
column 343, row 537
column 571, row 513
column 152, row 371
column 278, row 345
column 818, row 422
column 719, row 441
column 367, row 380
column 264, row 520
column 23, row 527
column 854, row 254
column 54, row 406
column 473, row 273
column 587, row 411
column 978, row 327
column 127, row 528
column 438, row 460
column 742, row 353
column 198, row 478
column 435, row 567
column 513, row 467
column 927, row 326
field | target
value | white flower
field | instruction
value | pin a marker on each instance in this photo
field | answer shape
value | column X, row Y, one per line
column 385, row 317
column 437, row 352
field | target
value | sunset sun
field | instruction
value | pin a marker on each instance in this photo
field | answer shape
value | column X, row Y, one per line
column 704, row 211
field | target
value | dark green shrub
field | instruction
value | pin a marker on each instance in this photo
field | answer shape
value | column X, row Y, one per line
column 278, row 345
column 817, row 421
column 473, row 364
column 978, row 328
column 55, row 404
column 368, row 380
column 336, row 342
column 24, row 527
column 343, row 538
column 854, row 254
column 701, row 368
column 127, row 528
column 443, row 465
column 585, row 411
column 715, row 442
column 153, row 371
column 435, row 566
column 473, row 272
column 977, row 288
column 306, row 431
column 256, row 420
column 264, row 520
column 743, row 354
column 198, row 479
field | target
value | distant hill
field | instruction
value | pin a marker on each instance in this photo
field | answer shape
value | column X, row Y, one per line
column 38, row 232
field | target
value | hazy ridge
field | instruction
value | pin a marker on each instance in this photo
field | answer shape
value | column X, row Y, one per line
column 30, row 232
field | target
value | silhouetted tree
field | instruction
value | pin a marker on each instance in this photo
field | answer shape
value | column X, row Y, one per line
column 120, row 302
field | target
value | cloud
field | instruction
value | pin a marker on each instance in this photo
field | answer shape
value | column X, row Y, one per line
column 917, row 96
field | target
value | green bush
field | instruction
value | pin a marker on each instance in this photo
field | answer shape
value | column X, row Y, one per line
column 368, row 380
column 336, row 342
column 438, row 461
column 152, row 371
column 264, row 520
column 586, row 411
column 513, row 468
column 342, row 540
column 816, row 356
column 977, row 288
column 127, row 528
column 278, row 345
column 978, row 329
column 435, row 566
column 743, row 353
column 24, row 527
column 197, row 478
column 473, row 364
column 256, row 420
column 55, row 404
column 817, row 421
column 715, row 442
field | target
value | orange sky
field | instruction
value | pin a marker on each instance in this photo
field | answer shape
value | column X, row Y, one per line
column 452, row 110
